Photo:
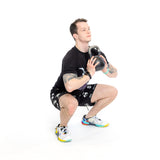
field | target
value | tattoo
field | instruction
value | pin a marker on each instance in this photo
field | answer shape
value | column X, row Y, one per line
column 112, row 69
column 68, row 76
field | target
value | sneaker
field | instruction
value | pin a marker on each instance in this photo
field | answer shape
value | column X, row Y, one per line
column 62, row 133
column 94, row 121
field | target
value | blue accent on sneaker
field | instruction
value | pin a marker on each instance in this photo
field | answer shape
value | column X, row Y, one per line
column 85, row 121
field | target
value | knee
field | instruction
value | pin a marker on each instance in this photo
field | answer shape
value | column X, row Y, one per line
column 114, row 92
column 72, row 106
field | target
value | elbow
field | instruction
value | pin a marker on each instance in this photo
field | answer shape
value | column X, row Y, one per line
column 69, row 88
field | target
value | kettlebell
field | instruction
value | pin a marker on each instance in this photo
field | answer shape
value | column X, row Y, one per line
column 95, row 51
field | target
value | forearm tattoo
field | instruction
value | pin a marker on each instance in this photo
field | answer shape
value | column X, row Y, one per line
column 112, row 69
column 68, row 76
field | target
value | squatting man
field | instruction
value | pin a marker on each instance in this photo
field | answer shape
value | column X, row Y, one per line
column 72, row 89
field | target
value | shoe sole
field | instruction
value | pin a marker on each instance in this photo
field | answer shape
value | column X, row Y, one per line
column 61, row 140
column 87, row 123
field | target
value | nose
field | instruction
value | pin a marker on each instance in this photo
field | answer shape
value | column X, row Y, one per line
column 88, row 31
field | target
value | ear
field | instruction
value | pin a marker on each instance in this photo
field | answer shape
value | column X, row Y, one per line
column 75, row 36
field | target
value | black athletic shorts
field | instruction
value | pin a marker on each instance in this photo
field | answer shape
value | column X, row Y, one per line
column 83, row 97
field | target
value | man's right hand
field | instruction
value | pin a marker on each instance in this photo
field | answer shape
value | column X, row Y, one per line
column 91, row 66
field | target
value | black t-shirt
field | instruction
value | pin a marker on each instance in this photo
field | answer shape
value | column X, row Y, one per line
column 75, row 62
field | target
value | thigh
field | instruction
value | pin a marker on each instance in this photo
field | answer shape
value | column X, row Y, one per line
column 102, row 91
column 68, row 100
column 85, row 97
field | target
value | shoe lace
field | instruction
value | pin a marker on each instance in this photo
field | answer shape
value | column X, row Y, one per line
column 64, row 130
column 96, row 119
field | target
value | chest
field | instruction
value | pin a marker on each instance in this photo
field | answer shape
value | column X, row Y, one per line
column 82, row 64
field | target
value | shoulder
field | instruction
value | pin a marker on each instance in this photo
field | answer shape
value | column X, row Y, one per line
column 71, row 54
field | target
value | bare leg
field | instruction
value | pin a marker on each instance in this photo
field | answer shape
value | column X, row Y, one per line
column 68, row 106
column 103, row 96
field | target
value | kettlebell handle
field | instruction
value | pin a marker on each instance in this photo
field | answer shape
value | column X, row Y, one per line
column 94, row 51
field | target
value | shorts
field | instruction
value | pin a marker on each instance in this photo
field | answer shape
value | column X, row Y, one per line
column 83, row 96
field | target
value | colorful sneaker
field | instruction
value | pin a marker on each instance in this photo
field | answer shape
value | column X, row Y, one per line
column 63, row 133
column 94, row 121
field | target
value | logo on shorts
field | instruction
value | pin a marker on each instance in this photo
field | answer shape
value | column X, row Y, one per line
column 89, row 87
column 52, row 97
column 54, row 102
column 86, row 104
column 58, row 95
column 85, row 94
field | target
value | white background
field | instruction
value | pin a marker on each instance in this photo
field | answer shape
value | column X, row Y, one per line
column 34, row 37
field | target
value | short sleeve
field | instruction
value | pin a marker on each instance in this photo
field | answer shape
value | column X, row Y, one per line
column 69, row 64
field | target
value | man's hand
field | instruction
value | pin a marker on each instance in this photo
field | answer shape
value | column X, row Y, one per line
column 91, row 66
column 106, row 65
column 112, row 73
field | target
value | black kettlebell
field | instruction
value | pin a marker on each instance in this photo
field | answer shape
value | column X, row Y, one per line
column 95, row 51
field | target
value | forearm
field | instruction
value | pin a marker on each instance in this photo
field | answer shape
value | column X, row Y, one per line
column 111, row 71
column 72, row 82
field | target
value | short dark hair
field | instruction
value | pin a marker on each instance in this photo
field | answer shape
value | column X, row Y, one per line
column 73, row 27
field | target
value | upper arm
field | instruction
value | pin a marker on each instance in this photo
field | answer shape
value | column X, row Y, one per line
column 68, row 76
column 69, row 84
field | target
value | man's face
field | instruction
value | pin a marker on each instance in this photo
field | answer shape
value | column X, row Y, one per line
column 83, row 32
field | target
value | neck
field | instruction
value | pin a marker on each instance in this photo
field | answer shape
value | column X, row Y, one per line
column 83, row 47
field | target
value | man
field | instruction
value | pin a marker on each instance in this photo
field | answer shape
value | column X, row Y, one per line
column 72, row 88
